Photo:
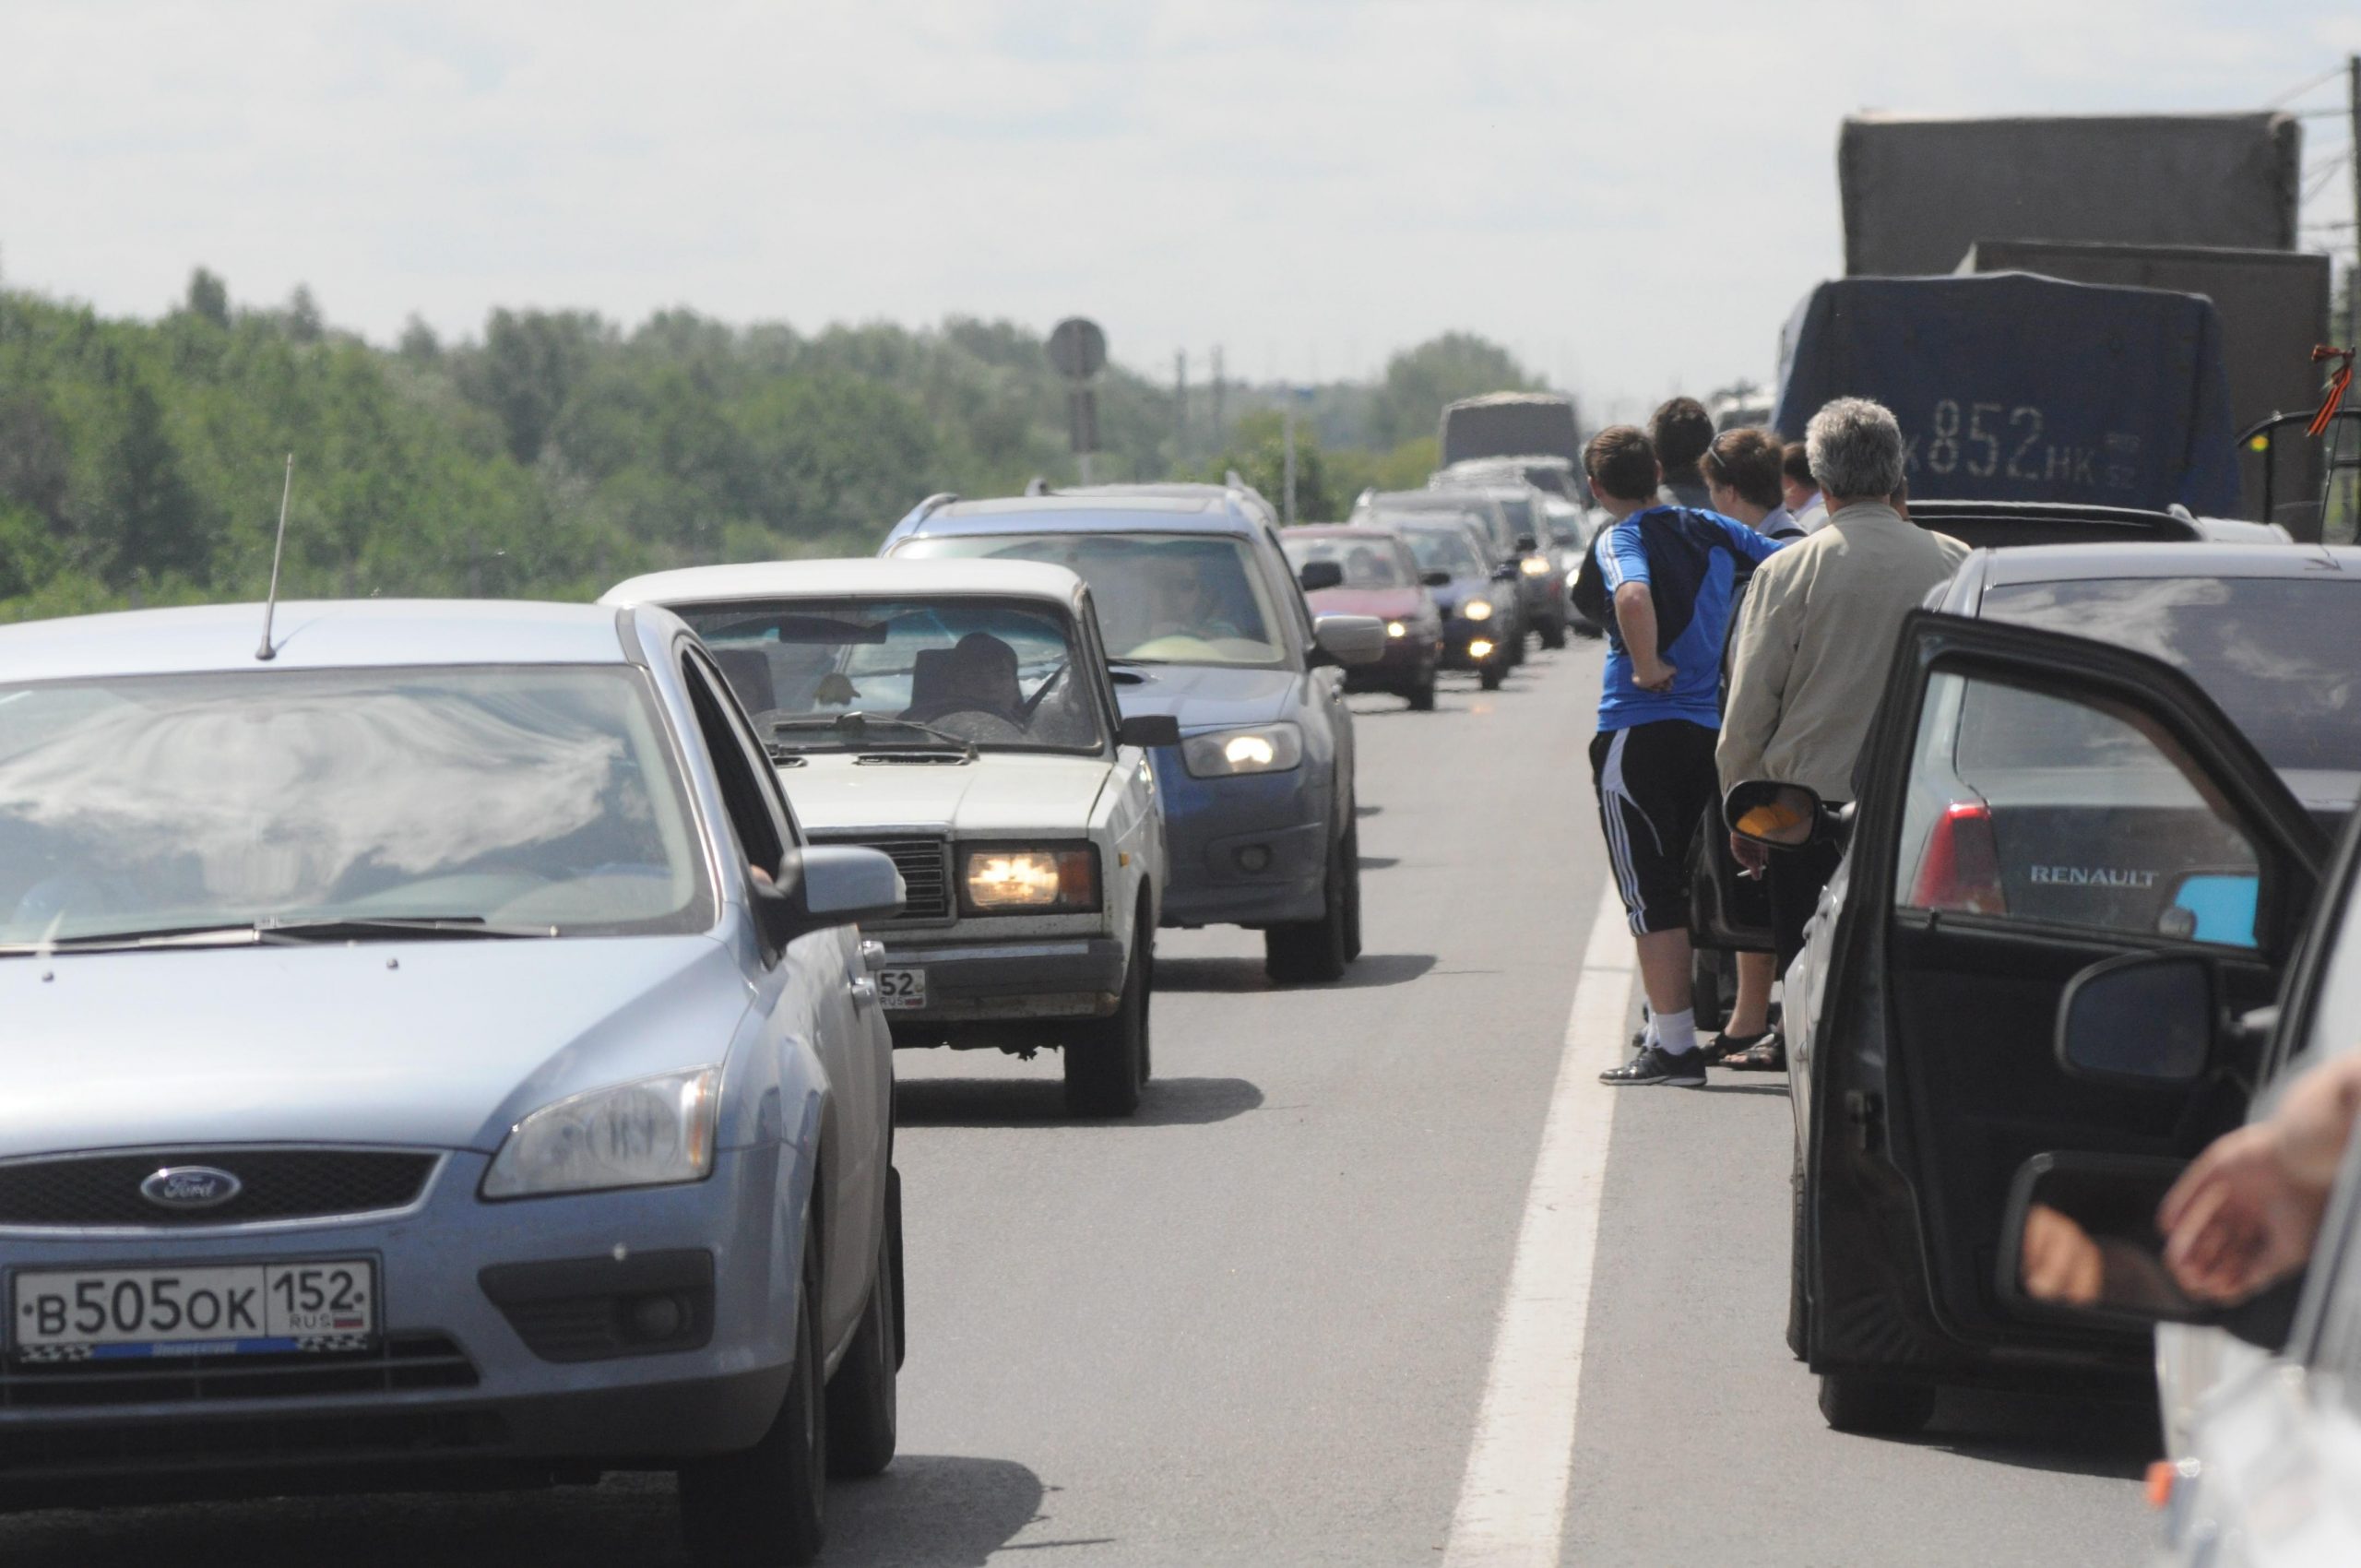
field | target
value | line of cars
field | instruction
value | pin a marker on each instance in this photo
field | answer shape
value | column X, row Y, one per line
column 2074, row 939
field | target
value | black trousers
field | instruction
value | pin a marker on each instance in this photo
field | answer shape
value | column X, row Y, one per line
column 1796, row 877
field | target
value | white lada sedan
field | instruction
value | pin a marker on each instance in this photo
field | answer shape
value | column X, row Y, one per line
column 960, row 716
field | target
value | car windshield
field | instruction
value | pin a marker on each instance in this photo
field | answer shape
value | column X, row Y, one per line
column 540, row 796
column 2275, row 653
column 993, row 674
column 1366, row 563
column 1443, row 550
column 1162, row 599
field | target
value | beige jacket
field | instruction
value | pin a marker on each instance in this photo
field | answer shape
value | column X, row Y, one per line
column 1815, row 645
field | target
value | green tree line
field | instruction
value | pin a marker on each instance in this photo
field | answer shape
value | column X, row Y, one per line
column 141, row 460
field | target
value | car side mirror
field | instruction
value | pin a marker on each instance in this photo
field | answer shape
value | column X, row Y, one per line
column 2079, row 1243
column 2139, row 1019
column 822, row 887
column 1526, row 545
column 1148, row 730
column 1348, row 639
column 1785, row 816
column 1435, row 579
column 1506, row 571
column 1317, row 574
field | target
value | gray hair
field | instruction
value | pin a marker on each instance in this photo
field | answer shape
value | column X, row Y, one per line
column 1855, row 449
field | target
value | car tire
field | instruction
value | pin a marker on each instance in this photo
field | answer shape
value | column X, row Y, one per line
column 1553, row 633
column 1352, row 886
column 1491, row 676
column 1421, row 696
column 1311, row 952
column 1712, row 986
column 1587, row 629
column 1874, row 1405
column 863, row 1411
column 1799, row 1299
column 768, row 1504
column 1107, row 1059
column 1516, row 648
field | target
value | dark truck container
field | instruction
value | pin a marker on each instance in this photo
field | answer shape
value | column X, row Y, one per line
column 1509, row 424
column 2013, row 387
column 1918, row 191
column 2274, row 306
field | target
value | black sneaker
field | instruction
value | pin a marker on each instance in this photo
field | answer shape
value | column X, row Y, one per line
column 1658, row 1065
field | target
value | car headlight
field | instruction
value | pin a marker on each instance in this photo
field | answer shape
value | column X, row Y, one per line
column 1476, row 610
column 1396, row 629
column 1535, row 566
column 1001, row 879
column 644, row 1134
column 1271, row 748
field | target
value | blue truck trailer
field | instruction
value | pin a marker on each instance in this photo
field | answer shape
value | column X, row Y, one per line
column 2011, row 386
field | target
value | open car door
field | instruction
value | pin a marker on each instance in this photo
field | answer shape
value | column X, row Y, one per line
column 2031, row 805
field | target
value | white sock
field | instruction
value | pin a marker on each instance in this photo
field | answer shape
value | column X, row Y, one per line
column 1677, row 1032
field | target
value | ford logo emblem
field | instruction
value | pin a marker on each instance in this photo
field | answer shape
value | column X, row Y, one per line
column 190, row 1186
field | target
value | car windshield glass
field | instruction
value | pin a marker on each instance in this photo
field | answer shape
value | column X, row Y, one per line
column 531, row 796
column 1443, row 550
column 1162, row 599
column 1518, row 509
column 993, row 674
column 2275, row 652
column 1366, row 563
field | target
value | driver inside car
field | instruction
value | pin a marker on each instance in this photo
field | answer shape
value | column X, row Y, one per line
column 976, row 674
column 1182, row 603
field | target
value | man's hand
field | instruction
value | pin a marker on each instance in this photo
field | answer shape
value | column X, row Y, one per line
column 1653, row 674
column 2060, row 1263
column 1748, row 854
column 2237, row 1220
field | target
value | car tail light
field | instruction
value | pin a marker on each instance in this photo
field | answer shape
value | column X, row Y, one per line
column 1961, row 869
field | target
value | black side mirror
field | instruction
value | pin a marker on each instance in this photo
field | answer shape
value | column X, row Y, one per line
column 2079, row 1243
column 1526, row 543
column 1784, row 816
column 1435, row 579
column 1317, row 574
column 2140, row 1019
column 1148, row 730
column 1506, row 571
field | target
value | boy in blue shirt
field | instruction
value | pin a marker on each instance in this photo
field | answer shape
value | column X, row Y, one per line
column 1665, row 573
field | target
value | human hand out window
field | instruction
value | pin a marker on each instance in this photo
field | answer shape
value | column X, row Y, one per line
column 2245, row 1213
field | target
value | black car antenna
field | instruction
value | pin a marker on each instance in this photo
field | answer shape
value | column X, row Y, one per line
column 270, row 605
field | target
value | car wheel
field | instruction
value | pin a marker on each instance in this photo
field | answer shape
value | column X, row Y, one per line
column 1422, row 695
column 1107, row 1059
column 863, row 1412
column 1713, row 982
column 1875, row 1406
column 1553, row 633
column 1586, row 629
column 1491, row 675
column 768, row 1504
column 1516, row 648
column 1352, row 886
column 1799, row 1305
column 1309, row 951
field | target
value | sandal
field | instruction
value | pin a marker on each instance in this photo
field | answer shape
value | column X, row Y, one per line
column 1766, row 1054
column 1729, row 1045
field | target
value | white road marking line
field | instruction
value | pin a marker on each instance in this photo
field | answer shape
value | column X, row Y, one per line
column 1511, row 1510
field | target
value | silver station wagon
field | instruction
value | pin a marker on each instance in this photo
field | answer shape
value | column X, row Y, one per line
column 959, row 716
column 434, row 1058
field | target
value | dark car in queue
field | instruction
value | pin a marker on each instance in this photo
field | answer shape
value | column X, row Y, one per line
column 2037, row 808
column 1566, row 532
column 1495, row 541
column 1202, row 620
column 1466, row 590
column 1366, row 571
column 1541, row 571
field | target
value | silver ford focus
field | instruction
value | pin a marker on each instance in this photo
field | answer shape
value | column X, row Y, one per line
column 431, row 1056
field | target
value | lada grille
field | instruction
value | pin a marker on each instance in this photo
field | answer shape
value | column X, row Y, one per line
column 274, row 1183
column 925, row 865
column 403, row 1363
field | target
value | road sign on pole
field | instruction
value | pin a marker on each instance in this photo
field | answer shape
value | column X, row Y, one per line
column 1078, row 349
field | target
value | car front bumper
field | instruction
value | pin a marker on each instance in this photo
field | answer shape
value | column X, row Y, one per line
column 1249, row 851
column 1459, row 634
column 987, row 980
column 459, row 1385
column 1406, row 661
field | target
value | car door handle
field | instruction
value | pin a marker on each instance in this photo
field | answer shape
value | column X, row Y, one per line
column 873, row 953
column 865, row 991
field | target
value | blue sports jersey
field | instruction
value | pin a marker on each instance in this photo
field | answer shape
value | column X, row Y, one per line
column 1686, row 559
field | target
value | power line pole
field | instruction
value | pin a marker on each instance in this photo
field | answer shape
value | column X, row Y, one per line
column 1180, row 405
column 1221, row 434
column 2352, row 161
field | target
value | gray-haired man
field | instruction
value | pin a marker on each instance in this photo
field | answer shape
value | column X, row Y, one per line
column 1815, row 641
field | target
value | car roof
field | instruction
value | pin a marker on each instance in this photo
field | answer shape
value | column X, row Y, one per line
column 312, row 634
column 2066, row 563
column 860, row 578
column 1337, row 530
column 1131, row 512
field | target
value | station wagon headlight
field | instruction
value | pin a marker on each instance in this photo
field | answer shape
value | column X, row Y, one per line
column 1269, row 748
column 1045, row 879
column 1535, row 566
column 1476, row 610
column 636, row 1134
column 1396, row 629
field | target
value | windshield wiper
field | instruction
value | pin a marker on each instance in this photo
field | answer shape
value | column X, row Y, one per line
column 242, row 934
column 855, row 726
column 340, row 927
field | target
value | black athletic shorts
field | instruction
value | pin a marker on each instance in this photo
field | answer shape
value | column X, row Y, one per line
column 1655, row 783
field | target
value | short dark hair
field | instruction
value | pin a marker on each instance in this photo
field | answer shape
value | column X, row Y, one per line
column 1622, row 461
column 1796, row 465
column 1748, row 461
column 1682, row 430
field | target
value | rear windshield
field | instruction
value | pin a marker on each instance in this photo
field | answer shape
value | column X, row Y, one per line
column 2276, row 653
column 1443, row 550
column 1366, row 563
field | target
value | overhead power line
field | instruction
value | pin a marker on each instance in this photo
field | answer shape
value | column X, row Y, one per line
column 2332, row 73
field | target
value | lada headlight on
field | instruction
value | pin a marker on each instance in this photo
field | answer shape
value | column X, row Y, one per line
column 1476, row 610
column 646, row 1133
column 1268, row 748
column 1029, row 879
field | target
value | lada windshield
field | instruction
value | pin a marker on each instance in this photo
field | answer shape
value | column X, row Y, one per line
column 1162, row 599
column 521, row 799
column 1444, row 550
column 1366, row 563
column 884, row 674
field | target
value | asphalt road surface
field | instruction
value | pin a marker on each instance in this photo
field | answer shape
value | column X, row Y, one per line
column 1264, row 1323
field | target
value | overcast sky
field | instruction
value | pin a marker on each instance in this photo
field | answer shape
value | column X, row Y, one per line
column 1632, row 197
